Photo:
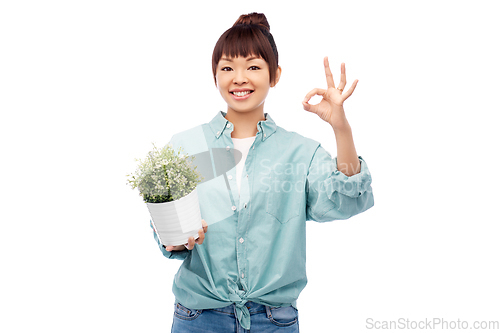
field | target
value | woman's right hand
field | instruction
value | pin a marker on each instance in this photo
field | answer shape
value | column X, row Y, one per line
column 191, row 242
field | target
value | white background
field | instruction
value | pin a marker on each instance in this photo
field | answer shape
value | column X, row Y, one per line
column 87, row 86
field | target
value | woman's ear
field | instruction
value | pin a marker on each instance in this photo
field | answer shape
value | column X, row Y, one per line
column 278, row 75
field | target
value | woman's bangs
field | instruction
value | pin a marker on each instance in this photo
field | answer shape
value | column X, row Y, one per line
column 242, row 43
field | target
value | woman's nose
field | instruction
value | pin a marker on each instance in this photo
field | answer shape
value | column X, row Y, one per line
column 240, row 77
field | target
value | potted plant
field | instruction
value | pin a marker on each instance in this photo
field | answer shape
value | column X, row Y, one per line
column 167, row 183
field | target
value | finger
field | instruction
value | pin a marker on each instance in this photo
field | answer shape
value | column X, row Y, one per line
column 328, row 73
column 190, row 243
column 349, row 92
column 201, row 237
column 173, row 248
column 306, row 106
column 310, row 108
column 342, row 77
column 205, row 225
column 315, row 91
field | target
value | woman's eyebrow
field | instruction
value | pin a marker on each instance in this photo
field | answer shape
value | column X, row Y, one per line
column 248, row 59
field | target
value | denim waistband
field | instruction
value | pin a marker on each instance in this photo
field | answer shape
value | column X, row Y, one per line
column 251, row 306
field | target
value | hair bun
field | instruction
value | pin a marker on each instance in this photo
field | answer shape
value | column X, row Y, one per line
column 253, row 18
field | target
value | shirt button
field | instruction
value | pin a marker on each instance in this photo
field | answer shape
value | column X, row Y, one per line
column 229, row 177
column 241, row 240
column 228, row 125
column 247, row 176
column 233, row 208
column 218, row 133
column 242, row 276
column 227, row 148
column 264, row 134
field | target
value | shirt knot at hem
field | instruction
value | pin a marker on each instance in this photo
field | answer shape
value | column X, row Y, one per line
column 237, row 297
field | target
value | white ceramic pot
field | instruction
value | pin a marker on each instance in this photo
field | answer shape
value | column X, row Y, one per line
column 177, row 220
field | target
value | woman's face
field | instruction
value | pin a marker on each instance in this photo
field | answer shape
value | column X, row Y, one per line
column 243, row 83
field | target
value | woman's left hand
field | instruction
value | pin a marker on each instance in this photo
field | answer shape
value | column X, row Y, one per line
column 331, row 109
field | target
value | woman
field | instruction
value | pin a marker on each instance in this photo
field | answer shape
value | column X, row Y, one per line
column 250, row 269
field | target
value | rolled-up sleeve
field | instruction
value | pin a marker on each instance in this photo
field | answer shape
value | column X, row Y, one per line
column 181, row 255
column 331, row 195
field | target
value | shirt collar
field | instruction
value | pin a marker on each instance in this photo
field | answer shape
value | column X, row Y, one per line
column 219, row 124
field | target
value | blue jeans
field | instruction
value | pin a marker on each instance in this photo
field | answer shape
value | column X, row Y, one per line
column 263, row 319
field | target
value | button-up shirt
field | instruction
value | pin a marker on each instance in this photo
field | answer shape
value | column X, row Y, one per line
column 255, row 245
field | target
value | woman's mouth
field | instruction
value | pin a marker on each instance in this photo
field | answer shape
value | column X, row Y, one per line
column 240, row 95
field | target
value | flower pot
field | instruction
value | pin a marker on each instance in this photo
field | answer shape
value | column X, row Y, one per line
column 176, row 221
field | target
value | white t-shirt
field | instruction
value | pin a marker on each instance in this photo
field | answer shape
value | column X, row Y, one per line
column 243, row 145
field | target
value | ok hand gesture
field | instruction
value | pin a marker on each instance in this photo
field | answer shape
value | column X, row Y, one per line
column 331, row 109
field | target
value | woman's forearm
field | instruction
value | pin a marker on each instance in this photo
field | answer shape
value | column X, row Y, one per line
column 347, row 158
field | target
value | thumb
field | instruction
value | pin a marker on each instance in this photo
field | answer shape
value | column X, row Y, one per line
column 309, row 107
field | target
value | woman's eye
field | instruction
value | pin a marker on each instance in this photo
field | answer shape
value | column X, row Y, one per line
column 226, row 69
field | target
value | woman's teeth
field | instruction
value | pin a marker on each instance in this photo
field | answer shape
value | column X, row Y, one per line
column 241, row 93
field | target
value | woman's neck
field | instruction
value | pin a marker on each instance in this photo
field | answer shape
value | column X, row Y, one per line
column 245, row 123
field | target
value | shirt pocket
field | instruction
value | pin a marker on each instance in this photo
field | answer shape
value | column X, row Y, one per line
column 283, row 198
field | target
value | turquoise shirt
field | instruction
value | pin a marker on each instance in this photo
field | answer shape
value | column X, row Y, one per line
column 255, row 245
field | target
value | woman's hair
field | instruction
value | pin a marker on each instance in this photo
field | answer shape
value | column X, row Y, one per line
column 249, row 35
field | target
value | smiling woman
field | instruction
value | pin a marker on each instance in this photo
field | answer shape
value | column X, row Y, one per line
column 244, row 83
column 249, row 270
column 249, row 36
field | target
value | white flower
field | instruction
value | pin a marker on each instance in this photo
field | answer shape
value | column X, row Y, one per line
column 164, row 174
